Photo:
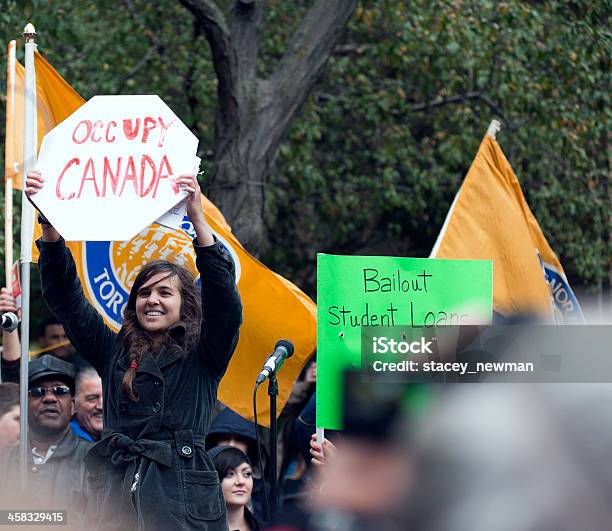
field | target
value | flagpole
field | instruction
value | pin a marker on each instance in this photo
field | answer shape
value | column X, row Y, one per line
column 8, row 183
column 30, row 137
column 494, row 128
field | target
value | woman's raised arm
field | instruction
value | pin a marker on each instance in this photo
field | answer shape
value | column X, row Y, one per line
column 221, row 305
column 63, row 293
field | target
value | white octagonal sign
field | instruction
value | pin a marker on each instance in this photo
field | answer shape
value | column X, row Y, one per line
column 110, row 167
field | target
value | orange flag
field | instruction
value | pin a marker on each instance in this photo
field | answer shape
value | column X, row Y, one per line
column 274, row 308
column 490, row 220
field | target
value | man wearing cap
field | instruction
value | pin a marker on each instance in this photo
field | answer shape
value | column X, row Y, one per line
column 56, row 472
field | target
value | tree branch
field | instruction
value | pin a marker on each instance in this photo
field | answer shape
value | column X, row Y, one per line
column 156, row 45
column 188, row 84
column 350, row 49
column 440, row 101
column 213, row 24
column 135, row 69
column 462, row 98
column 245, row 25
column 301, row 65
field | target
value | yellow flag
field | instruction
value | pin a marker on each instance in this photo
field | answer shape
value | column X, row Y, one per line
column 274, row 308
column 490, row 220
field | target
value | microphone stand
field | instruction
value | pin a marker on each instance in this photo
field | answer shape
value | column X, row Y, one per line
column 273, row 393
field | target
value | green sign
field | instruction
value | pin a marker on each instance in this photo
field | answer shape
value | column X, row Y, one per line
column 356, row 291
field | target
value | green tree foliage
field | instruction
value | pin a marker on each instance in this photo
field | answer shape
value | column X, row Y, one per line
column 380, row 150
column 372, row 162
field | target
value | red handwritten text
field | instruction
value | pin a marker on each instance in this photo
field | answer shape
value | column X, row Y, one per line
column 132, row 129
column 104, row 178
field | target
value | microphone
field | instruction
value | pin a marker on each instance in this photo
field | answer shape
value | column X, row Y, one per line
column 9, row 322
column 282, row 350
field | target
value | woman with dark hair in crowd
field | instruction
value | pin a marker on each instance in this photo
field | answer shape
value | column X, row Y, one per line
column 236, row 475
column 160, row 376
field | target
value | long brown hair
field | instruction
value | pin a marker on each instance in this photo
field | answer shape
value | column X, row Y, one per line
column 136, row 340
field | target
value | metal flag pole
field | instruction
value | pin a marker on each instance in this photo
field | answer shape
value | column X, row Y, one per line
column 30, row 141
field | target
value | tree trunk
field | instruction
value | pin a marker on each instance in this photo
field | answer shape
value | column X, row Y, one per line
column 254, row 115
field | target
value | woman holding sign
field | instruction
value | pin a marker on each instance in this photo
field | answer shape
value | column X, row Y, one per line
column 160, row 376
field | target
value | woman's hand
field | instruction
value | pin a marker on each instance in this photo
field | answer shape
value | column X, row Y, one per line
column 7, row 303
column 189, row 183
column 34, row 182
column 321, row 454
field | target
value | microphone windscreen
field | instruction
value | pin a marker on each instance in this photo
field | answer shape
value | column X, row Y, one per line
column 10, row 321
column 287, row 345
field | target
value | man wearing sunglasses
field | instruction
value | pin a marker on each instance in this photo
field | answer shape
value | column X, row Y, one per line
column 55, row 461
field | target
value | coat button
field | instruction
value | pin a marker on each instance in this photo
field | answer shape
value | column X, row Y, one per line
column 156, row 407
column 157, row 383
column 34, row 469
column 186, row 450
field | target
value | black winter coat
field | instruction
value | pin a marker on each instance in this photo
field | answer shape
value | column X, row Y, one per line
column 150, row 470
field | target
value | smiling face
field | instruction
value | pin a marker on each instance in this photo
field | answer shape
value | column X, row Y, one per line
column 237, row 485
column 158, row 303
column 49, row 414
column 88, row 406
